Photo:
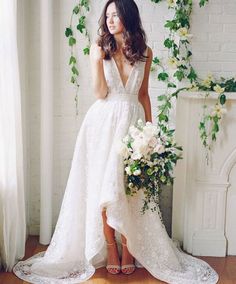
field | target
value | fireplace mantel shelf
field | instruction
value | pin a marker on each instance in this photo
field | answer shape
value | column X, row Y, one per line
column 201, row 95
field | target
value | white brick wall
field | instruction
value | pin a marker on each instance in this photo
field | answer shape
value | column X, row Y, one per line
column 214, row 41
column 214, row 49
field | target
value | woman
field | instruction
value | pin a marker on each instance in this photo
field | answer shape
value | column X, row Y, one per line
column 95, row 206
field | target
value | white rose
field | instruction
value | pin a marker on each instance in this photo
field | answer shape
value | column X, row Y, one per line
column 128, row 171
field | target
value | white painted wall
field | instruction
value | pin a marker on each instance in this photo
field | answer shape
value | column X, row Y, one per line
column 213, row 51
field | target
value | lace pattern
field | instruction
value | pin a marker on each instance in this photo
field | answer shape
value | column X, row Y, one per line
column 96, row 181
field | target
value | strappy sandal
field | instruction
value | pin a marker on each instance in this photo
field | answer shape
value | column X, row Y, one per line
column 127, row 268
column 113, row 268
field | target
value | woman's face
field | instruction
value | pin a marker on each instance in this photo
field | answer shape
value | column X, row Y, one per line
column 113, row 21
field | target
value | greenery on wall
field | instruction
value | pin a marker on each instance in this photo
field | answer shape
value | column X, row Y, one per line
column 179, row 67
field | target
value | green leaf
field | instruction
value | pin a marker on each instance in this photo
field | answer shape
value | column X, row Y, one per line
column 72, row 60
column 215, row 127
column 76, row 10
column 162, row 98
column 80, row 27
column 189, row 53
column 162, row 76
column 163, row 117
column 72, row 80
column 222, row 99
column 168, row 43
column 86, row 51
column 171, row 85
column 68, row 32
column 202, row 2
column 215, row 119
column 75, row 70
column 179, row 75
column 72, row 41
column 156, row 60
column 192, row 75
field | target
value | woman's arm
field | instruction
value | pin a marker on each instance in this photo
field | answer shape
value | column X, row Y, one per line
column 99, row 83
column 143, row 95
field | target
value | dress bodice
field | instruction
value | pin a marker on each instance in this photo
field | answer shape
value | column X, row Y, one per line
column 115, row 84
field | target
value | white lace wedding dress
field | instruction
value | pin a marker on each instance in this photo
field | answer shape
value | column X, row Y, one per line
column 96, row 181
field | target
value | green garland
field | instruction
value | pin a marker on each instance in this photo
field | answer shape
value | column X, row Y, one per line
column 179, row 56
column 79, row 13
column 179, row 60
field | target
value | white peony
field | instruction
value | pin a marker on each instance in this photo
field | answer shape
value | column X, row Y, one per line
column 134, row 132
column 152, row 142
column 159, row 149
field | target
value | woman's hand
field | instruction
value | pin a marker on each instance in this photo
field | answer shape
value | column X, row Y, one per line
column 96, row 53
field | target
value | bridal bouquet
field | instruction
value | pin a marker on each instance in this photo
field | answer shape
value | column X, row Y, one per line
column 149, row 158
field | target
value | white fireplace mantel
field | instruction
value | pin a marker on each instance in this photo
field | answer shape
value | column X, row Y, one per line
column 204, row 195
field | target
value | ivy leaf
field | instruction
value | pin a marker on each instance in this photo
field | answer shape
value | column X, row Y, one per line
column 202, row 2
column 86, row 51
column 80, row 27
column 168, row 43
column 179, row 75
column 189, row 54
column 162, row 76
column 192, row 75
column 76, row 10
column 75, row 70
column 216, row 127
column 72, row 60
column 68, row 32
column 172, row 25
column 156, row 60
column 222, row 99
column 72, row 80
column 171, row 85
column 72, row 41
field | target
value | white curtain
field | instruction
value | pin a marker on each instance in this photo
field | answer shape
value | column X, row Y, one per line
column 12, row 197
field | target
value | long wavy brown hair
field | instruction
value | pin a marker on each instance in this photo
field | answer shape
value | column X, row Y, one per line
column 133, row 34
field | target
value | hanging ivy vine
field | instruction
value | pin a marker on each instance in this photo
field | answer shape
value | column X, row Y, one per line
column 179, row 67
column 78, row 18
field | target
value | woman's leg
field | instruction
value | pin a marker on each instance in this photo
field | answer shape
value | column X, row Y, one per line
column 127, row 258
column 112, row 251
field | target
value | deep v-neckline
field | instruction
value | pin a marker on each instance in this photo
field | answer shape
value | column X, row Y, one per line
column 124, row 85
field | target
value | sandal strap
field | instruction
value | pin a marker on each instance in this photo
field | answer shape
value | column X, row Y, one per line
column 127, row 266
column 113, row 266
